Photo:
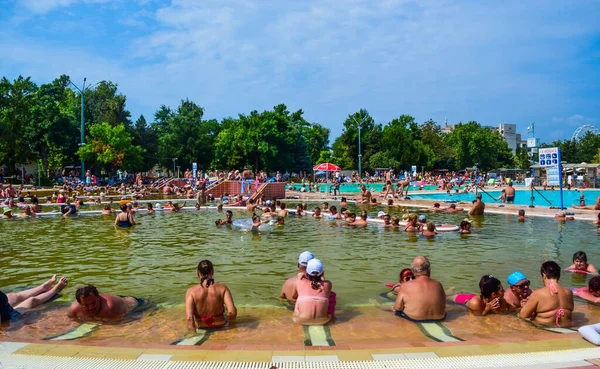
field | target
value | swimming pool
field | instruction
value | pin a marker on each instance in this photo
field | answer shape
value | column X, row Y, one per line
column 353, row 188
column 522, row 197
column 157, row 260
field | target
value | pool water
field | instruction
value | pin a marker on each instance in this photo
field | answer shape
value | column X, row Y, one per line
column 354, row 188
column 522, row 197
column 157, row 261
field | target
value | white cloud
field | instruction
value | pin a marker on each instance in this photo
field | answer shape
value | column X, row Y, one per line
column 466, row 60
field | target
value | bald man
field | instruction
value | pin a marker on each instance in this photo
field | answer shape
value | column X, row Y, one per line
column 422, row 298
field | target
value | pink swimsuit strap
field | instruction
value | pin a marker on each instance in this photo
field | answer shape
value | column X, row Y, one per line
column 559, row 314
column 553, row 289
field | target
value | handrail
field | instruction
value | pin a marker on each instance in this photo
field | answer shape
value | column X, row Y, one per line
column 259, row 191
column 544, row 197
column 484, row 191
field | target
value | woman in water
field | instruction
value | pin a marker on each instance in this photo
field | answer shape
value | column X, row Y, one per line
column 580, row 264
column 149, row 208
column 107, row 210
column 124, row 219
column 491, row 299
column 412, row 225
column 206, row 302
column 315, row 302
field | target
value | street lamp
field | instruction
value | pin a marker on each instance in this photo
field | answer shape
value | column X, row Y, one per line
column 174, row 160
column 82, row 92
column 359, row 150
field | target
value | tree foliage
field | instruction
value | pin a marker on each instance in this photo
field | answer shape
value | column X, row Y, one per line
column 111, row 147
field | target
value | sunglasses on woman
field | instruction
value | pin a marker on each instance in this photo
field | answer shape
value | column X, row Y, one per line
column 522, row 285
column 408, row 278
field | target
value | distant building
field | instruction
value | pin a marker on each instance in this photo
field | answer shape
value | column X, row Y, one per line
column 509, row 132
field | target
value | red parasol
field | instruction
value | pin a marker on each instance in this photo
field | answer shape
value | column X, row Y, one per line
column 327, row 167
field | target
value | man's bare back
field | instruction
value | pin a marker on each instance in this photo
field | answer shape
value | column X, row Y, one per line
column 289, row 288
column 422, row 299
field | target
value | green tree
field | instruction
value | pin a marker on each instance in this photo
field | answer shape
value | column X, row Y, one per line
column 588, row 147
column 442, row 154
column 110, row 147
column 522, row 159
column 477, row 145
column 317, row 139
column 345, row 147
column 184, row 135
column 17, row 100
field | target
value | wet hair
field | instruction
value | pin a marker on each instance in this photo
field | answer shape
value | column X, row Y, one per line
column 364, row 214
column 255, row 218
column 351, row 215
column 218, row 222
column 390, row 202
column 326, row 204
column 34, row 200
column 282, row 205
column 343, row 199
column 86, row 291
column 123, row 207
column 436, row 205
column 488, row 285
column 21, row 199
column 405, row 273
column 332, row 208
column 594, row 284
column 395, row 220
column 374, row 200
column 342, row 210
column 452, row 206
column 431, row 226
column 580, row 255
column 229, row 212
column 317, row 209
column 521, row 212
column 205, row 268
column 107, row 207
column 551, row 270
column 464, row 224
column 149, row 205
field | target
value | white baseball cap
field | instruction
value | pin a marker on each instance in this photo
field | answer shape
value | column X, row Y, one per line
column 305, row 257
column 314, row 267
column 381, row 214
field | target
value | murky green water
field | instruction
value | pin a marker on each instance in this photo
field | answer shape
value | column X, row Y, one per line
column 157, row 259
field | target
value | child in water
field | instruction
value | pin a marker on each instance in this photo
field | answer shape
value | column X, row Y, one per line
column 581, row 265
column 591, row 292
column 465, row 227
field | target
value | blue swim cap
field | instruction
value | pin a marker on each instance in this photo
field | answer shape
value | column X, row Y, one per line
column 515, row 278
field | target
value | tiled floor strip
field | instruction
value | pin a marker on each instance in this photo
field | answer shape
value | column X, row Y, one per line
column 531, row 360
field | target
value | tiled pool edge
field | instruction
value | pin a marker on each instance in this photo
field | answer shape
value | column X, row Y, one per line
column 573, row 358
column 198, row 354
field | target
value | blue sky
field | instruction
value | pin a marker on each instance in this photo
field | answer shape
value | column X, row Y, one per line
column 489, row 61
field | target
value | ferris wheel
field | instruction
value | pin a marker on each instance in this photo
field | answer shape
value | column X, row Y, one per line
column 581, row 131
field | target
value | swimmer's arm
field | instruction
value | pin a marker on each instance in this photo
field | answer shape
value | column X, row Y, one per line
column 399, row 304
column 592, row 269
column 474, row 304
column 132, row 219
column 228, row 300
column 189, row 312
column 116, row 220
column 73, row 309
column 530, row 307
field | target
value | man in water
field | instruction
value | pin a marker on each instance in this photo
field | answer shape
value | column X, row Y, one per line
column 551, row 305
column 365, row 195
column 422, row 298
column 289, row 286
column 510, row 193
column 229, row 217
column 478, row 206
column 518, row 292
column 89, row 305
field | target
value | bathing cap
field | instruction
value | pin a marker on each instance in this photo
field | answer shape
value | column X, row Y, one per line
column 381, row 214
column 6, row 210
column 314, row 267
column 305, row 257
column 515, row 278
column 422, row 218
